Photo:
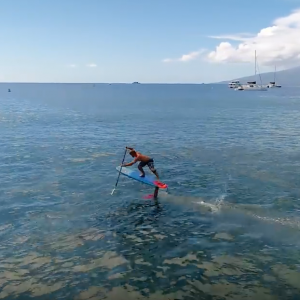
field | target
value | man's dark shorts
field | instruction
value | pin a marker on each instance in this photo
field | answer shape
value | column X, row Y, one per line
column 149, row 163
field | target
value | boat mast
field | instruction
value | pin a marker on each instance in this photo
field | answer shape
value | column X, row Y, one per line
column 259, row 72
column 255, row 64
column 275, row 75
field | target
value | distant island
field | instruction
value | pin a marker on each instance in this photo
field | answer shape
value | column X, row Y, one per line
column 289, row 77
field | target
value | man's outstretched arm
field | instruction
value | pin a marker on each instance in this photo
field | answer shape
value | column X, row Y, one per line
column 130, row 164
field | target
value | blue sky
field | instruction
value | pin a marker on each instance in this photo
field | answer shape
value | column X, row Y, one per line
column 127, row 40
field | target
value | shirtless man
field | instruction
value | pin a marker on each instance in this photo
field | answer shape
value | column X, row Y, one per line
column 143, row 159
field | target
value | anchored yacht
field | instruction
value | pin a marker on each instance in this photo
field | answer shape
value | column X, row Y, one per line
column 252, row 85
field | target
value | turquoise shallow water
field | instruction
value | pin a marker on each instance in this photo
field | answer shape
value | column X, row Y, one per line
column 227, row 229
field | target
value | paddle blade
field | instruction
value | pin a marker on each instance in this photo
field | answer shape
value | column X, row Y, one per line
column 112, row 191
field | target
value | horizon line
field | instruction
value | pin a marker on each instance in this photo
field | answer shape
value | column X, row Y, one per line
column 108, row 83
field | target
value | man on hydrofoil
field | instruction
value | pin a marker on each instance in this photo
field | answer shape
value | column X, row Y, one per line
column 143, row 159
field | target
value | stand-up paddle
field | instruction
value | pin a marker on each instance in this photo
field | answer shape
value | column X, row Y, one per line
column 119, row 172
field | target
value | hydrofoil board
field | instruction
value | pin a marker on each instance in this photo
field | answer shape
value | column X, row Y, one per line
column 148, row 179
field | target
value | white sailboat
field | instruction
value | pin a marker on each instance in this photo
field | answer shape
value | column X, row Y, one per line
column 252, row 85
column 273, row 84
column 234, row 84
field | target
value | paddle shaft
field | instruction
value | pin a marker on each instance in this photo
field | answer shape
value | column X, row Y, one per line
column 120, row 171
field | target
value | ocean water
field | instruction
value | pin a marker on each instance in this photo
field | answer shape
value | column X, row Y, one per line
column 228, row 227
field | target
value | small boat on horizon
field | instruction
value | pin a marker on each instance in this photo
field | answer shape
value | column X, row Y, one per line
column 234, row 84
column 273, row 84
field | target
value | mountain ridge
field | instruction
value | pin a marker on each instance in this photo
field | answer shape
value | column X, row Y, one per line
column 288, row 77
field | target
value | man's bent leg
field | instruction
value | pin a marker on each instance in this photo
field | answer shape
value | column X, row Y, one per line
column 155, row 173
column 152, row 168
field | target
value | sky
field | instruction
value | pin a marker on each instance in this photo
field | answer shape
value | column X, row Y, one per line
column 157, row 41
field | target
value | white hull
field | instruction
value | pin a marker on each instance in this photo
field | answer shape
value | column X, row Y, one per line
column 271, row 86
column 251, row 88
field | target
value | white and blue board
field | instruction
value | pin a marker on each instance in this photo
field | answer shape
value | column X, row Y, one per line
column 148, row 179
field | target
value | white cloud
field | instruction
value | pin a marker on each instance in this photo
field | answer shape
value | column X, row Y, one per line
column 278, row 44
column 240, row 37
column 185, row 57
column 91, row 65
column 72, row 66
